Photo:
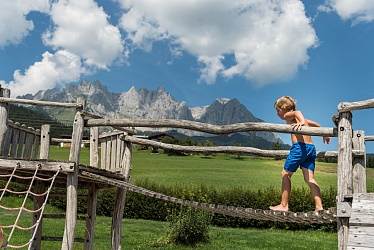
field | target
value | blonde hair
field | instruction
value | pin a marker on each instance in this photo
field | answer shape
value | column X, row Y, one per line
column 285, row 103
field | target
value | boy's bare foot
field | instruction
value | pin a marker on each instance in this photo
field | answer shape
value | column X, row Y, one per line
column 279, row 208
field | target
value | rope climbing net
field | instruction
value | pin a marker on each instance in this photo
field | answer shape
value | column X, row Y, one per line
column 13, row 177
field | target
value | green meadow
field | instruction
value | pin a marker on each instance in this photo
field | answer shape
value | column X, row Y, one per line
column 220, row 171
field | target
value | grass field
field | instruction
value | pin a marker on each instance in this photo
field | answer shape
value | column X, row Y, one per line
column 219, row 171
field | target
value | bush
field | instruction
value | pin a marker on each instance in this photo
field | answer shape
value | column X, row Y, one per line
column 189, row 226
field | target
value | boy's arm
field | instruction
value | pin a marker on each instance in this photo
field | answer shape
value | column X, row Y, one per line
column 326, row 139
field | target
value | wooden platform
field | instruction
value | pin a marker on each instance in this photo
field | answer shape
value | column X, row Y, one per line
column 361, row 230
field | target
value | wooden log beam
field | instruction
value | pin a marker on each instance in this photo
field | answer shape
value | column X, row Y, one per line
column 350, row 106
column 229, row 149
column 40, row 103
column 212, row 129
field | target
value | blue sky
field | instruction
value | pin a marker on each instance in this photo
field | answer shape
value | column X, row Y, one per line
column 319, row 52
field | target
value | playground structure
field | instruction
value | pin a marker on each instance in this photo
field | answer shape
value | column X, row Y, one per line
column 25, row 157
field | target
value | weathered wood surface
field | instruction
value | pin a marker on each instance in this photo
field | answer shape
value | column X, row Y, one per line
column 212, row 129
column 91, row 218
column 72, row 179
column 361, row 231
column 66, row 140
column 350, row 106
column 345, row 186
column 40, row 103
column 32, row 164
column 369, row 138
column 94, row 147
column 221, row 149
column 131, row 131
column 4, row 93
column 359, row 163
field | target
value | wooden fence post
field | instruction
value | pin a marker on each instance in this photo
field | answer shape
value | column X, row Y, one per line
column 94, row 147
column 120, row 199
column 72, row 180
column 44, row 141
column 91, row 217
column 344, row 176
column 4, row 121
column 359, row 163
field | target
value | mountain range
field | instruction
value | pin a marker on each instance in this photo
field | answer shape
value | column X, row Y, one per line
column 147, row 104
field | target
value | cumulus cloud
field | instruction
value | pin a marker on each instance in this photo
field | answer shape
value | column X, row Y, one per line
column 14, row 26
column 54, row 69
column 82, row 27
column 358, row 10
column 80, row 35
column 269, row 39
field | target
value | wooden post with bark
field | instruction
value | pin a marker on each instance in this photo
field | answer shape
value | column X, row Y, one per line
column 72, row 179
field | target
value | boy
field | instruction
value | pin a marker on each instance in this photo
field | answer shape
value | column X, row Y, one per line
column 302, row 153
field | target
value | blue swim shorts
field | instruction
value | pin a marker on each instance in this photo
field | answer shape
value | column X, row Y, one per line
column 301, row 155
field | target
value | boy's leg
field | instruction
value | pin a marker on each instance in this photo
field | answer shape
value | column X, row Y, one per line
column 314, row 188
column 286, row 190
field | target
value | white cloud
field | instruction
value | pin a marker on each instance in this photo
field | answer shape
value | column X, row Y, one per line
column 82, row 27
column 14, row 26
column 80, row 35
column 269, row 39
column 357, row 10
column 54, row 69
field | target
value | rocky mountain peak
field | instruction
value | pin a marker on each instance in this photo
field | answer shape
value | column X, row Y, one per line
column 148, row 104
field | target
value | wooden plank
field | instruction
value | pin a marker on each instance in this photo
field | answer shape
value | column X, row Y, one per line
column 113, row 152
column 103, row 154
column 72, row 179
column 107, row 153
column 361, row 231
column 21, row 143
column 44, row 141
column 362, row 237
column 32, row 164
column 94, row 147
column 344, row 172
column 359, row 163
column 120, row 145
column 35, row 147
column 15, row 137
column 28, row 146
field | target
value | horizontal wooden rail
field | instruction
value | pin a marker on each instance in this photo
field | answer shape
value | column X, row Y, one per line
column 350, row 106
column 369, row 138
column 40, row 103
column 67, row 140
column 228, row 149
column 128, row 130
column 212, row 129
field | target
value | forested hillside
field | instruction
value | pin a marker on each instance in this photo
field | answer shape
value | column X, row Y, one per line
column 34, row 117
